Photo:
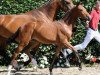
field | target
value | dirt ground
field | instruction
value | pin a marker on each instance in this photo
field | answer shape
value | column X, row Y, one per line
column 94, row 70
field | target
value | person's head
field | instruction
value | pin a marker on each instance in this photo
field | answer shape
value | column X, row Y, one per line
column 98, row 4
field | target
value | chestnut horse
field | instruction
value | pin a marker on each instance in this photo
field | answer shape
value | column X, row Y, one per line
column 49, row 32
column 9, row 24
column 49, row 11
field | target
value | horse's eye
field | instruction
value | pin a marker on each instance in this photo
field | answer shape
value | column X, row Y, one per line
column 81, row 10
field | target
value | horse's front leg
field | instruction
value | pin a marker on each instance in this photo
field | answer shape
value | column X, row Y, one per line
column 14, row 56
column 25, row 36
column 68, row 45
column 34, row 45
column 56, row 56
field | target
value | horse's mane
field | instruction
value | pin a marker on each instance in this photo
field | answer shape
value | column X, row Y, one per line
column 48, row 2
column 68, row 14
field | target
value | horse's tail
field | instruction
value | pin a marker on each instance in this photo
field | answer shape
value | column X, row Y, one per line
column 13, row 37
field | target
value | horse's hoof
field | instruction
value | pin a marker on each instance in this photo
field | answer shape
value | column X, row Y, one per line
column 51, row 73
column 18, row 68
column 80, row 68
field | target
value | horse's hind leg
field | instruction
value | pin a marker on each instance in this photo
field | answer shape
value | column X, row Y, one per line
column 68, row 45
column 14, row 56
column 35, row 47
column 58, row 49
column 32, row 45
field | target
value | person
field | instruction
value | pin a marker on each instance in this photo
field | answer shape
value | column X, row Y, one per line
column 92, row 31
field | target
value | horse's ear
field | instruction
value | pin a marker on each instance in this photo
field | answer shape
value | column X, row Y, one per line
column 79, row 3
column 69, row 1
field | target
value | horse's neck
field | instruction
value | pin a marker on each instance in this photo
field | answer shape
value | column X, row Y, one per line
column 70, row 19
column 49, row 9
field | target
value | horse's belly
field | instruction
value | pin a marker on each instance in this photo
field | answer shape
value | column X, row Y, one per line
column 46, row 30
column 46, row 37
column 4, row 32
column 44, row 40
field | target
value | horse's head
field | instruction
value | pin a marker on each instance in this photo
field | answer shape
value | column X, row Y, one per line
column 81, row 12
column 65, row 5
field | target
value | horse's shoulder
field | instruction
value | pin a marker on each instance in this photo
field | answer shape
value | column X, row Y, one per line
column 59, row 23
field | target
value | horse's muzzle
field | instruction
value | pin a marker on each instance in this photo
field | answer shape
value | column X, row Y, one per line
column 88, row 18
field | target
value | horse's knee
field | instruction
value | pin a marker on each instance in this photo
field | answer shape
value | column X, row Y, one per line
column 19, row 49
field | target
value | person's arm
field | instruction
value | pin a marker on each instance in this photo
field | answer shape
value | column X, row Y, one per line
column 91, row 16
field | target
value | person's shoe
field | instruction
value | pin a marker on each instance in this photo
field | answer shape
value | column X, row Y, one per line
column 88, row 57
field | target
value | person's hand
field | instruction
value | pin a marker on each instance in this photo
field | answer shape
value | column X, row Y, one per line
column 87, row 24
